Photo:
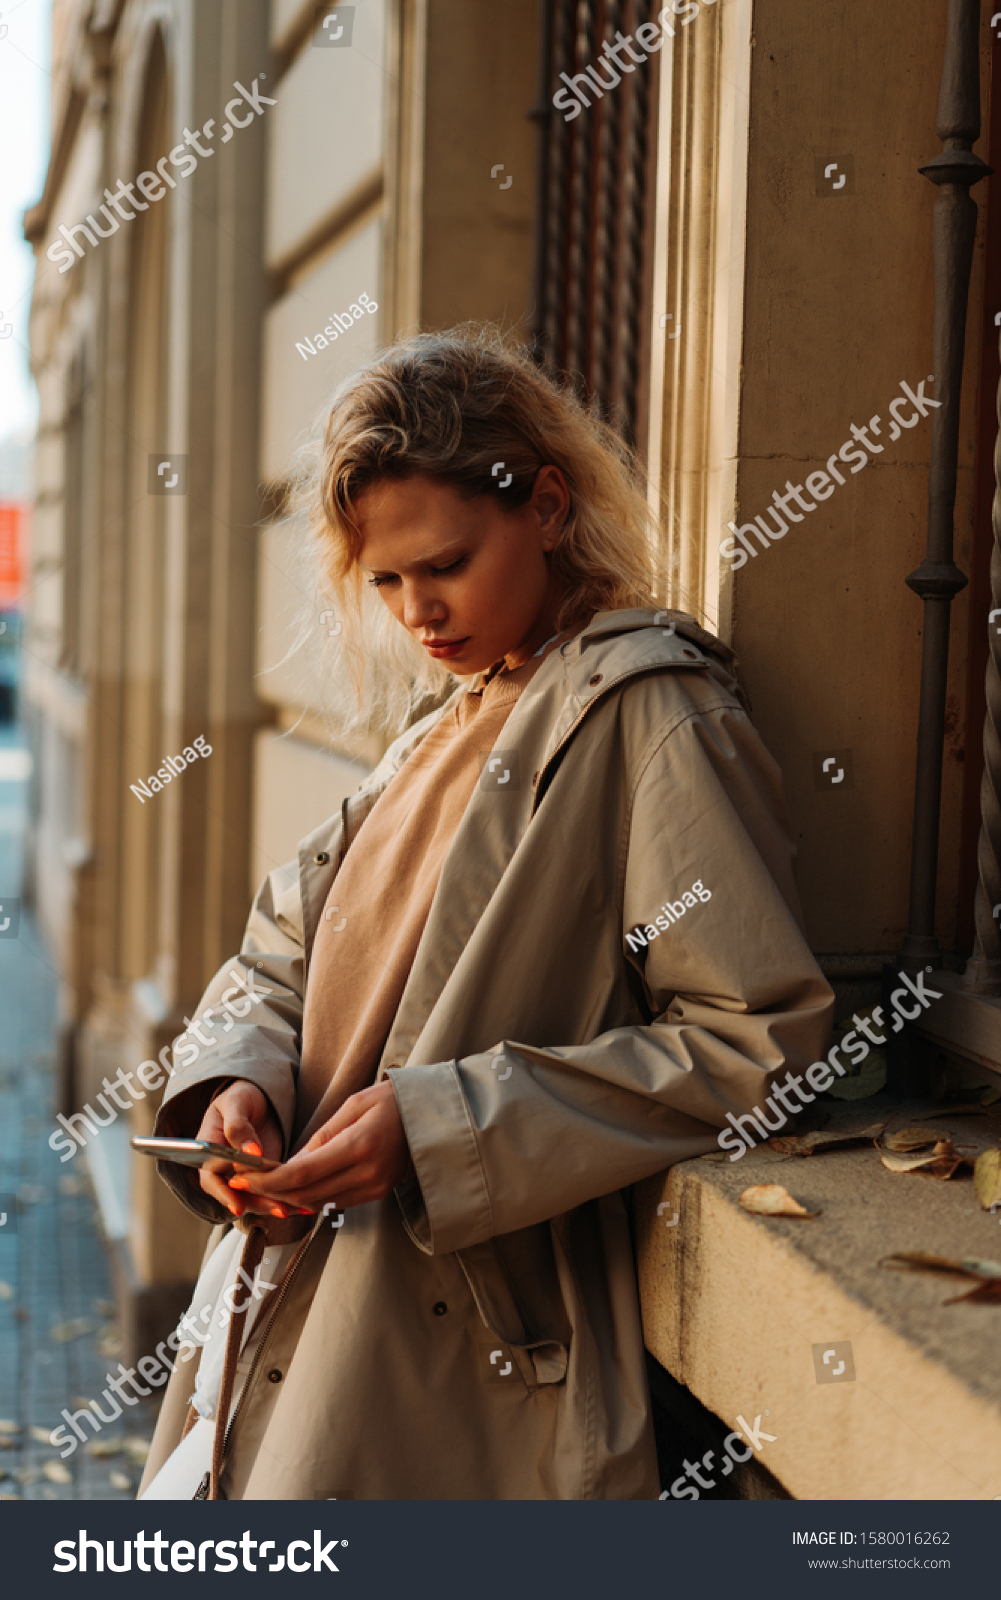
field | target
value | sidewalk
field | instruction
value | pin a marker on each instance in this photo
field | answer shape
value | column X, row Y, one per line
column 57, row 1334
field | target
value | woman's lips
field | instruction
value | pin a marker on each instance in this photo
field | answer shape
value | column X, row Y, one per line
column 446, row 649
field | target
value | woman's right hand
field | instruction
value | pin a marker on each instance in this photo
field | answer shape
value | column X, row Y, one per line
column 242, row 1117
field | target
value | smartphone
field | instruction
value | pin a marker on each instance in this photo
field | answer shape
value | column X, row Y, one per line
column 199, row 1153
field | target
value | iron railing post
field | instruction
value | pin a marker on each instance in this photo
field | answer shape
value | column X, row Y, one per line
column 983, row 970
column 937, row 580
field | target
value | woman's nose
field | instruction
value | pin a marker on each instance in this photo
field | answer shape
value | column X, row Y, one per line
column 421, row 608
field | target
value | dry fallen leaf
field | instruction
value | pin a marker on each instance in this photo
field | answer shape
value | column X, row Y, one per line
column 805, row 1144
column 939, row 1162
column 105, row 1308
column 987, row 1178
column 773, row 1200
column 912, row 1138
column 137, row 1449
column 6, row 1292
column 953, row 1111
column 56, row 1472
column 103, row 1447
column 985, row 1294
column 861, row 1085
column 109, row 1341
column 924, row 1261
column 8, row 1427
column 41, row 1435
column 119, row 1480
column 894, row 1163
column 63, row 1332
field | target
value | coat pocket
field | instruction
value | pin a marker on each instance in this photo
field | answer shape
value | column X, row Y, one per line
column 540, row 1361
column 537, row 1365
column 549, row 1360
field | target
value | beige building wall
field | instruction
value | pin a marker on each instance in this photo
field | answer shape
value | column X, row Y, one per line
column 158, row 618
column 842, row 312
column 801, row 311
column 370, row 191
column 324, row 212
column 141, row 634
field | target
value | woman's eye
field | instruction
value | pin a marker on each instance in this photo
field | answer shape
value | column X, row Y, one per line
column 436, row 572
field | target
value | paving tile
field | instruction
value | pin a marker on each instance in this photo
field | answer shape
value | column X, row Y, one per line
column 55, row 1263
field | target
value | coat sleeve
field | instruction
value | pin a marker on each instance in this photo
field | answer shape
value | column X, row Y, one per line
column 252, row 1014
column 264, row 986
column 518, row 1135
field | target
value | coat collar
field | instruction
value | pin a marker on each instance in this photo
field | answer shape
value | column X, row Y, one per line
column 613, row 647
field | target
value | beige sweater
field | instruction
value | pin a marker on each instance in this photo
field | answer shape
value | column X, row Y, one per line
column 380, row 899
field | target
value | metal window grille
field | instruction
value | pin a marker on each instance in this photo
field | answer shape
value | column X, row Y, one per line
column 592, row 256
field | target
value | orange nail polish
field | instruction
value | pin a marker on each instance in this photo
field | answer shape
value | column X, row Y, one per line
column 253, row 1148
column 279, row 1211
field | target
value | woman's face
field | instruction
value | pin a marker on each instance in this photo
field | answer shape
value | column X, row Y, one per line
column 467, row 578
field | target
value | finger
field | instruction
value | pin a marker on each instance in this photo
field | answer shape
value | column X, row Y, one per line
column 354, row 1185
column 307, row 1166
column 240, row 1132
column 323, row 1168
column 353, row 1109
column 216, row 1188
column 216, row 1185
column 211, row 1128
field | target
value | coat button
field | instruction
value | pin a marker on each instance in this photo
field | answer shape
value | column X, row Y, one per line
column 321, row 859
column 595, row 680
column 439, row 1308
column 274, row 1376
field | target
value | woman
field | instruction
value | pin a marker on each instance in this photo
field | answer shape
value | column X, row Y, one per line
column 545, row 949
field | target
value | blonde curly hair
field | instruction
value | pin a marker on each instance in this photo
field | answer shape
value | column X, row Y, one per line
column 451, row 406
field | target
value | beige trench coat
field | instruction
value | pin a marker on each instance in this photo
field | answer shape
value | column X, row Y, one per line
column 546, row 1066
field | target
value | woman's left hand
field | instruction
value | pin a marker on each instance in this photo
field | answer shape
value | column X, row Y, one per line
column 360, row 1154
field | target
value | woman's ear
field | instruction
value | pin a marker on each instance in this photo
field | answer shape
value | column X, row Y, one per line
column 551, row 504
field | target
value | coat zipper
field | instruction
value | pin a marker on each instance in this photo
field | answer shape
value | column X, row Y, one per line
column 293, row 1268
